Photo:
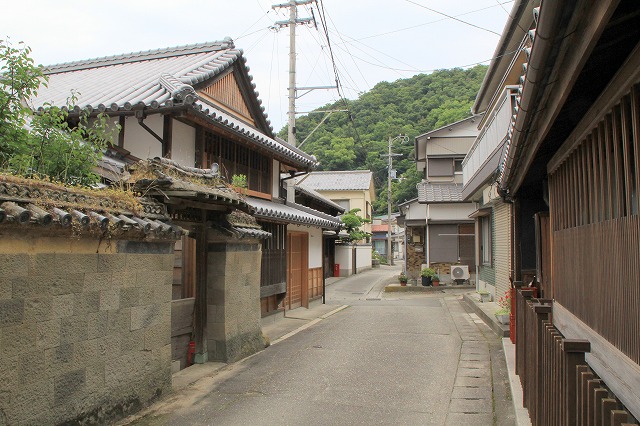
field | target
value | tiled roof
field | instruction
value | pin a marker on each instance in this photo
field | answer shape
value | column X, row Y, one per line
column 439, row 192
column 316, row 195
column 264, row 209
column 173, row 180
column 351, row 180
column 154, row 80
column 379, row 228
column 76, row 212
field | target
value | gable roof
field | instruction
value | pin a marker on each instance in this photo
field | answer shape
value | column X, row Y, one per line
column 160, row 80
column 350, row 180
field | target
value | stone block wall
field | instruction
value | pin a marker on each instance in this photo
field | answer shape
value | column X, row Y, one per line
column 233, row 299
column 416, row 255
column 84, row 328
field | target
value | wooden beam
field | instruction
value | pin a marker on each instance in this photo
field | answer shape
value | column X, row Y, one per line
column 620, row 84
column 582, row 34
column 121, row 121
column 167, row 136
column 619, row 372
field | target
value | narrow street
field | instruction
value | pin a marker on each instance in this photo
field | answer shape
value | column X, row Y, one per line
column 394, row 358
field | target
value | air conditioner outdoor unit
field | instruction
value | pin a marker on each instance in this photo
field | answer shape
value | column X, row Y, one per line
column 460, row 272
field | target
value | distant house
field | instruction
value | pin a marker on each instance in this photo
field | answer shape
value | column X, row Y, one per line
column 439, row 231
column 350, row 190
column 191, row 110
column 568, row 142
column 379, row 236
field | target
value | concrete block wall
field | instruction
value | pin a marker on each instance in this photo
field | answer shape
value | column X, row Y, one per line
column 84, row 336
column 233, row 299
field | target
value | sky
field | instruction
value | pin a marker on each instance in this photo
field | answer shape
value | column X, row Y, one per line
column 371, row 40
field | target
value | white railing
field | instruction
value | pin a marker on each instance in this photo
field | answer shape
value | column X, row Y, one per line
column 492, row 134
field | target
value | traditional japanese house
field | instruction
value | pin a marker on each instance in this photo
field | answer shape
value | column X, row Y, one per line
column 194, row 111
column 571, row 170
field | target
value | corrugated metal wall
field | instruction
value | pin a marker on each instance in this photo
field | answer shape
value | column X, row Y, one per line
column 502, row 246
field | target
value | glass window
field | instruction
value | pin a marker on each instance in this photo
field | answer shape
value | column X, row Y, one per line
column 485, row 242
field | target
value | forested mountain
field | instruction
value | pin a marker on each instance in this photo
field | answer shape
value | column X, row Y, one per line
column 407, row 106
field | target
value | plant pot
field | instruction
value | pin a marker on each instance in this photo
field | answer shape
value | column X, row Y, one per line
column 426, row 281
column 403, row 283
column 435, row 283
column 503, row 319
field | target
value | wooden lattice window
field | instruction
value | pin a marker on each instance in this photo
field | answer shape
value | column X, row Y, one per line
column 236, row 159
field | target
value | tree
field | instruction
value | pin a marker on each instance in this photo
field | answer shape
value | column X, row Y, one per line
column 412, row 106
column 53, row 143
column 352, row 224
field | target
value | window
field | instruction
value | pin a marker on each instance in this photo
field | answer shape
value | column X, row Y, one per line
column 440, row 167
column 457, row 166
column 485, row 240
column 343, row 203
column 236, row 159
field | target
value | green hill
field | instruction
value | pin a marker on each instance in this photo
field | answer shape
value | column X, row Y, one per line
column 409, row 106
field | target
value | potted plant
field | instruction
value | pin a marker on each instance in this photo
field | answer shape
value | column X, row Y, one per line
column 402, row 278
column 427, row 275
column 502, row 314
column 485, row 296
column 435, row 280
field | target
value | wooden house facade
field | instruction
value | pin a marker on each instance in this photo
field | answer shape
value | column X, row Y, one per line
column 192, row 114
column 570, row 170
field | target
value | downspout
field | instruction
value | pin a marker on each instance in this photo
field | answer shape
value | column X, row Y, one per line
column 542, row 38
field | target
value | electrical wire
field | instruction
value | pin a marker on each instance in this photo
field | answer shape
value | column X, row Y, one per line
column 431, row 22
column 453, row 17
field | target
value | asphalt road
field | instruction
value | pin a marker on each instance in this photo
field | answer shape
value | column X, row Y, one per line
column 386, row 360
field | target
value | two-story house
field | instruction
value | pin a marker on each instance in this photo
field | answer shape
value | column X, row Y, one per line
column 439, row 230
column 569, row 168
column 194, row 111
column 350, row 189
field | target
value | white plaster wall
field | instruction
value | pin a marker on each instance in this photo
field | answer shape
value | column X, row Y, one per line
column 417, row 211
column 315, row 248
column 451, row 212
column 363, row 256
column 140, row 142
column 183, row 144
column 343, row 257
column 450, row 145
column 315, row 243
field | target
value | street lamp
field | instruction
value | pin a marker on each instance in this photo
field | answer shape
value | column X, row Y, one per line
column 390, row 156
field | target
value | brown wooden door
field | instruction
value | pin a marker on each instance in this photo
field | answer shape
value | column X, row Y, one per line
column 297, row 274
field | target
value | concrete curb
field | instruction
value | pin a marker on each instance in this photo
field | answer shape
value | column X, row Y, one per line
column 522, row 414
column 428, row 289
column 309, row 324
column 500, row 329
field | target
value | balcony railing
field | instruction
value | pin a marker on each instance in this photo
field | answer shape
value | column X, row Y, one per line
column 492, row 135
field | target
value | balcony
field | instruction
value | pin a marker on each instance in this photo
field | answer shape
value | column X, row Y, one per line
column 490, row 140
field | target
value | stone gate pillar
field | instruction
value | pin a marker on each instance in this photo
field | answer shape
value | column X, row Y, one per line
column 233, row 297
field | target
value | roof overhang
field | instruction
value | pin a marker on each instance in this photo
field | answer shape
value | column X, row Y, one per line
column 481, row 212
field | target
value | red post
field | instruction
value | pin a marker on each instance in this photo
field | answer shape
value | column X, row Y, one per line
column 336, row 270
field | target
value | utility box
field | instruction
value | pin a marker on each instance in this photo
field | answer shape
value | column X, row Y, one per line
column 336, row 270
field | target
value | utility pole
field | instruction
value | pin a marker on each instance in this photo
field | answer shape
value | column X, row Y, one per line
column 390, row 156
column 291, row 23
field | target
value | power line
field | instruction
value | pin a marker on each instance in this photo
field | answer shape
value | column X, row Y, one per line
column 431, row 22
column 454, row 18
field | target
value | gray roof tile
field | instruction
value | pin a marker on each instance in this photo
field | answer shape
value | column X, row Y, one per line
column 439, row 192
column 351, row 180
column 264, row 209
column 154, row 79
